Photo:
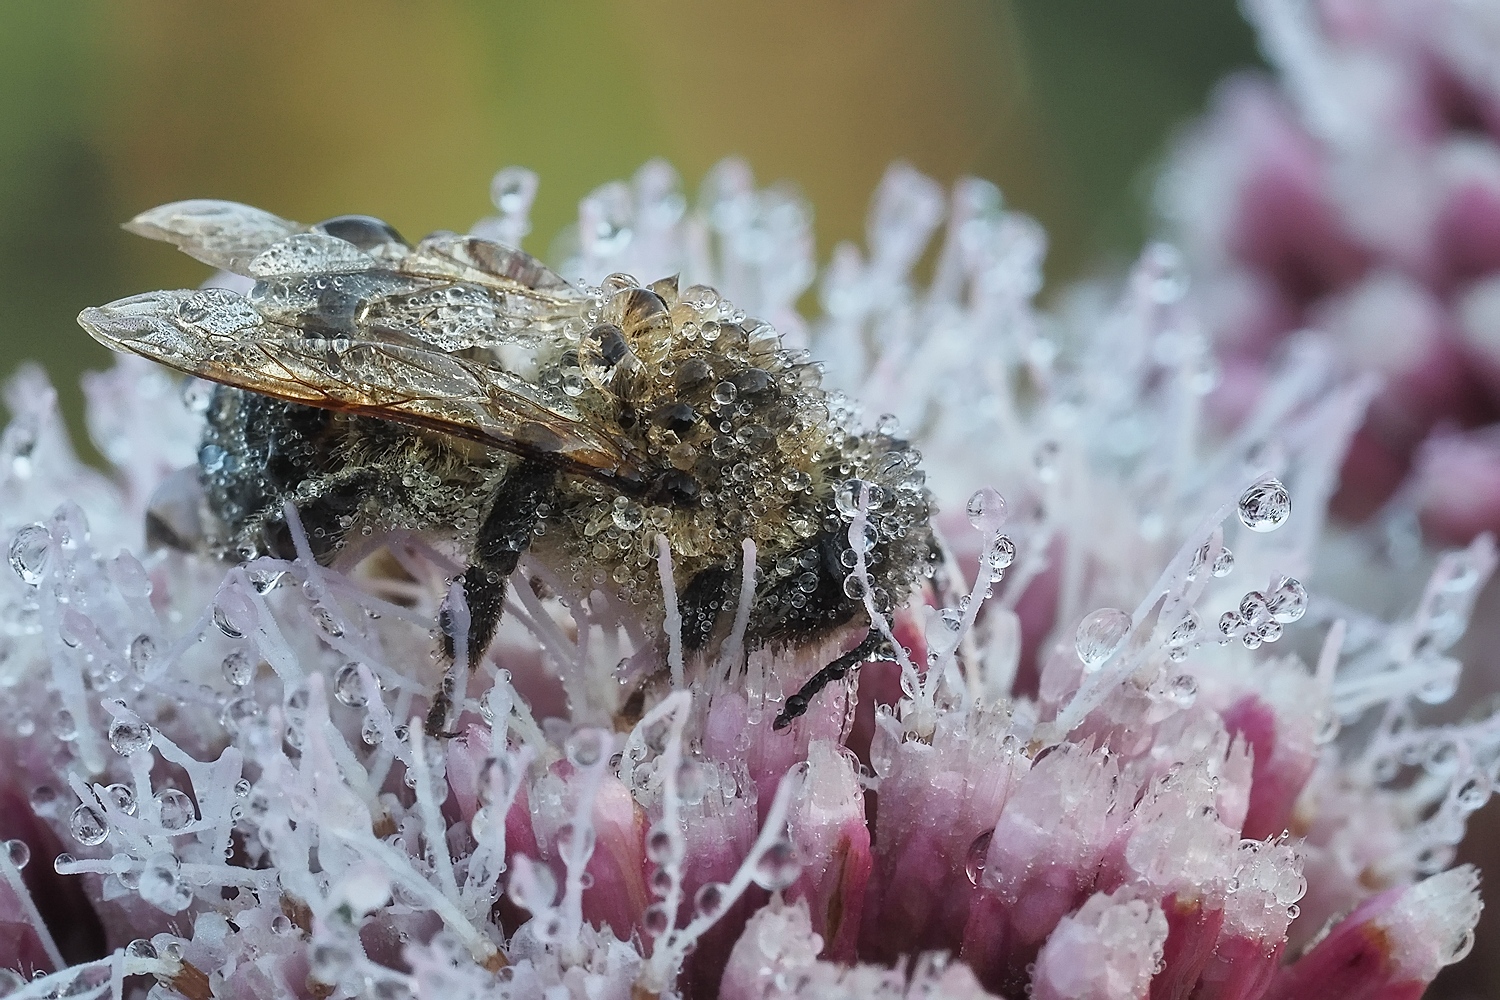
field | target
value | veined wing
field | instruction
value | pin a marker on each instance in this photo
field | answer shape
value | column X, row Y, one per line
column 218, row 335
column 223, row 234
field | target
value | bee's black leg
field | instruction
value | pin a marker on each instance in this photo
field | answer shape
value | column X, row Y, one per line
column 797, row 704
column 504, row 535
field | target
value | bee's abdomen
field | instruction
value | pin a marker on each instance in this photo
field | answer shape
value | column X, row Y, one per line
column 256, row 452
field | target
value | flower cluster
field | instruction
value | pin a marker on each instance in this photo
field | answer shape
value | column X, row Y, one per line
column 1121, row 751
column 1359, row 192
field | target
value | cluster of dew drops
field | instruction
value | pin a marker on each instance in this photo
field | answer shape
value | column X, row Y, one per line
column 1259, row 619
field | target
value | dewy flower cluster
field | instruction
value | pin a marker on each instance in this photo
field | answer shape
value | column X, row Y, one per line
column 1130, row 745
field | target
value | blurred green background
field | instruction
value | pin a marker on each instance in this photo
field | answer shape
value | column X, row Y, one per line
column 405, row 110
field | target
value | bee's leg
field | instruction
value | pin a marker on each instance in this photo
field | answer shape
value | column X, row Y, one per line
column 797, row 704
column 504, row 535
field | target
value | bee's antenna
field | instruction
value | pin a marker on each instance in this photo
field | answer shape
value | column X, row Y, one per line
column 796, row 705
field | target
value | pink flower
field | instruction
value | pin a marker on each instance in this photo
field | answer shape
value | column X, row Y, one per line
column 241, row 761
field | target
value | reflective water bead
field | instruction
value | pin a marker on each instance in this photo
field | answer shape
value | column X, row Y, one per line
column 986, row 510
column 140, row 948
column 348, row 688
column 87, row 826
column 778, row 867
column 122, row 797
column 942, row 631
column 1183, row 690
column 1223, row 563
column 1288, row 602
column 1001, row 553
column 655, row 919
column 29, row 551
column 711, row 899
column 587, row 747
column 1265, row 506
column 129, row 735
column 1099, row 635
column 237, row 668
column 978, row 853
column 846, row 498
column 177, row 810
column 18, row 853
column 142, row 651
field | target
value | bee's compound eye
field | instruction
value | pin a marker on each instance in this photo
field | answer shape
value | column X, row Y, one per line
column 752, row 381
column 677, row 417
column 364, row 231
column 612, row 346
column 677, row 487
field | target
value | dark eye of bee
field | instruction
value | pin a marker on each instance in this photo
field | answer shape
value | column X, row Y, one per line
column 752, row 381
column 364, row 231
column 612, row 346
column 677, row 417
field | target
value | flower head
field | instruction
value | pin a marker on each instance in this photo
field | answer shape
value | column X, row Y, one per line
column 1098, row 756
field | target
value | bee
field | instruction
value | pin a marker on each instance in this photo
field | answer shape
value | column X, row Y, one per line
column 460, row 386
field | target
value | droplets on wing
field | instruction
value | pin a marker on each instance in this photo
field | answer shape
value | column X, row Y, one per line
column 219, row 335
column 223, row 234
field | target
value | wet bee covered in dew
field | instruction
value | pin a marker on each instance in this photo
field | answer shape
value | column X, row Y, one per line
column 459, row 387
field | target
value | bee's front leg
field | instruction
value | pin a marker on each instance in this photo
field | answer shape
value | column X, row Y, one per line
column 797, row 704
column 505, row 533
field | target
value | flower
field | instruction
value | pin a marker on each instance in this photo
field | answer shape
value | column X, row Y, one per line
column 1358, row 191
column 228, row 762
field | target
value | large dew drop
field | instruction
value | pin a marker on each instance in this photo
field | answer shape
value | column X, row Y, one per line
column 28, row 553
column 986, row 510
column 1099, row 635
column 1265, row 506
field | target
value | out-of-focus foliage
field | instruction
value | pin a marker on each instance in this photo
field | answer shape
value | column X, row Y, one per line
column 310, row 110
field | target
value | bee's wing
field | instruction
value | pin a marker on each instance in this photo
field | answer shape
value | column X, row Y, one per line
column 218, row 335
column 456, row 257
column 223, row 234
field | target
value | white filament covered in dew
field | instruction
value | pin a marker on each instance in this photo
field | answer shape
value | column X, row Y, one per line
column 673, row 618
column 734, row 646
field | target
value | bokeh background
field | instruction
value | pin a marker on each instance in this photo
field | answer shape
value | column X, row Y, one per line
column 405, row 110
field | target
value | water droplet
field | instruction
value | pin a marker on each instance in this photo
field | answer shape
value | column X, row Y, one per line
column 228, row 627
column 161, row 883
column 142, row 651
column 237, row 668
column 655, row 919
column 1183, row 690
column 778, row 867
column 1001, row 553
column 627, row 515
column 177, row 810
column 942, row 631
column 129, row 735
column 711, row 900
column 724, row 393
column 1223, row 563
column 663, row 846
column 87, row 826
column 854, row 587
column 846, row 498
column 1265, row 506
column 979, row 851
column 587, row 747
column 1461, row 947
column 348, row 688
column 1288, row 602
column 986, row 510
column 1099, row 635
column 29, row 552
column 140, row 948
column 1472, row 792
column 328, row 623
column 122, row 797
column 18, row 853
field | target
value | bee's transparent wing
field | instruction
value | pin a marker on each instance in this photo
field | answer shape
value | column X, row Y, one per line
column 218, row 335
column 456, row 257
column 223, row 234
